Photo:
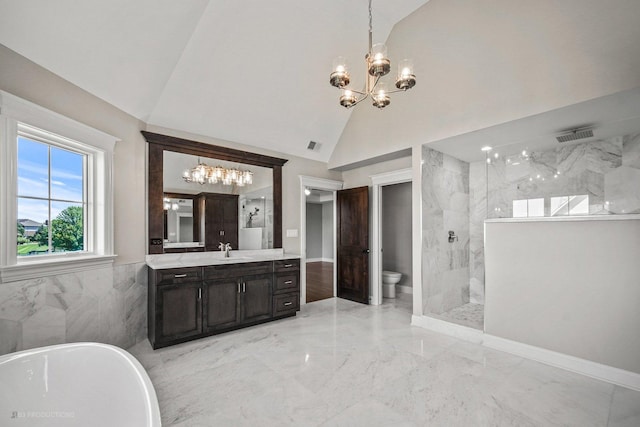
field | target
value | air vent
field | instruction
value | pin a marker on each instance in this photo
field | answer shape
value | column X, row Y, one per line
column 312, row 145
column 575, row 135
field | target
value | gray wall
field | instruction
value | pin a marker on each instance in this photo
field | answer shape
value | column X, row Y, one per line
column 327, row 230
column 314, row 230
column 320, row 231
column 396, row 230
column 567, row 286
column 445, row 206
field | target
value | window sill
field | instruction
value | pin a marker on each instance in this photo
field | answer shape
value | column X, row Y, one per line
column 41, row 268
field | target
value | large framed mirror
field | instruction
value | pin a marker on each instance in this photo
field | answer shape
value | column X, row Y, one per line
column 188, row 216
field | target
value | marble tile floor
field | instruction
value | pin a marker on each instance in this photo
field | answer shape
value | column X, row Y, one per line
column 469, row 314
column 340, row 363
column 402, row 301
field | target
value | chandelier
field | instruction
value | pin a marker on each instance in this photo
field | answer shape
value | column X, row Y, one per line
column 169, row 205
column 378, row 65
column 205, row 174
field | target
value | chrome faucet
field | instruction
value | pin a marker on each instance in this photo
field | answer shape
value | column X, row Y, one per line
column 225, row 248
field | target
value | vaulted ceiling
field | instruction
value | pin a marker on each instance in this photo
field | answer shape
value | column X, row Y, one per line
column 249, row 71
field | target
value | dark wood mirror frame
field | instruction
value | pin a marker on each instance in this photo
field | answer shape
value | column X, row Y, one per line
column 159, row 143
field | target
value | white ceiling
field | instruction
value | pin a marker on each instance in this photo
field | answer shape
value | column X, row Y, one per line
column 249, row 71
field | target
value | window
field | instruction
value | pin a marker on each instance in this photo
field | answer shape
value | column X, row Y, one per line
column 570, row 205
column 528, row 208
column 56, row 213
column 51, row 196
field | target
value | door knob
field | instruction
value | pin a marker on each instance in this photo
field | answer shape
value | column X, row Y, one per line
column 365, row 251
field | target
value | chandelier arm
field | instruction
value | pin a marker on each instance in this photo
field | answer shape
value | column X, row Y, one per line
column 375, row 83
column 358, row 92
column 360, row 100
column 397, row 90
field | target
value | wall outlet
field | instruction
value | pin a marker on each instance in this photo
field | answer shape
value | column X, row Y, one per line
column 156, row 242
column 292, row 233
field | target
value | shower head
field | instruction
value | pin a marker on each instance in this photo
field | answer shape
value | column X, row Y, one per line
column 575, row 134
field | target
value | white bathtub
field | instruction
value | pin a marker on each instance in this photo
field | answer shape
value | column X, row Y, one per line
column 81, row 384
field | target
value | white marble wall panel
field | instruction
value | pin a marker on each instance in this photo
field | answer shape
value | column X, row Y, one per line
column 105, row 305
column 445, row 206
column 568, row 170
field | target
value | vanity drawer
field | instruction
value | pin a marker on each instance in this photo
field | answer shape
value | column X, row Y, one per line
column 286, row 303
column 178, row 275
column 286, row 265
column 286, row 282
column 237, row 269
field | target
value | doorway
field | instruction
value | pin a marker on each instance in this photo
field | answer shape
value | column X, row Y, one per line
column 307, row 185
column 320, row 237
column 383, row 216
column 396, row 239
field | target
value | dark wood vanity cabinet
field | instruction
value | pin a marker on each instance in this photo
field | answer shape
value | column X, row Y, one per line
column 175, row 309
column 193, row 302
column 220, row 220
column 286, row 287
column 237, row 294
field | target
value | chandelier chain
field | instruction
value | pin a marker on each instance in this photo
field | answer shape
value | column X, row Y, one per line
column 370, row 18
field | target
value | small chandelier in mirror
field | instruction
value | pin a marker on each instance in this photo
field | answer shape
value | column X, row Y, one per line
column 378, row 65
column 205, row 174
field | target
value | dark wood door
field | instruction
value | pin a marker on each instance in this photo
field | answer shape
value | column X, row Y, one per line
column 221, row 304
column 178, row 311
column 257, row 297
column 230, row 220
column 221, row 220
column 353, row 244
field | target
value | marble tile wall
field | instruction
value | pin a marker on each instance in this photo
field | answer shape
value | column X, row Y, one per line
column 608, row 171
column 107, row 305
column 445, row 206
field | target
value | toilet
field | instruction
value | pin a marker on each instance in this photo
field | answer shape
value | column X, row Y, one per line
column 389, row 280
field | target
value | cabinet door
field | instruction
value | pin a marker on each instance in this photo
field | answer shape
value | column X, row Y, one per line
column 213, row 222
column 178, row 311
column 221, row 304
column 256, row 297
column 230, row 221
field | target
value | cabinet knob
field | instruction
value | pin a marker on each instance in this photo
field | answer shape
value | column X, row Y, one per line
column 287, row 303
column 288, row 282
column 288, row 265
column 179, row 276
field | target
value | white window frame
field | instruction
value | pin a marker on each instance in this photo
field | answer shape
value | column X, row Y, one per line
column 17, row 113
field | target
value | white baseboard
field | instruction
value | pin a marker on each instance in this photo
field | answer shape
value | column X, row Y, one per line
column 591, row 369
column 458, row 331
column 404, row 289
column 319, row 259
column 585, row 367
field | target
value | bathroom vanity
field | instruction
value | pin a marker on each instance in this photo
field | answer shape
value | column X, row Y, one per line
column 194, row 295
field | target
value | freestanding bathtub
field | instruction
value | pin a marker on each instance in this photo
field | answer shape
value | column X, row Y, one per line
column 80, row 384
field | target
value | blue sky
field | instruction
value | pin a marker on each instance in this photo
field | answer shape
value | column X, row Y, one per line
column 33, row 179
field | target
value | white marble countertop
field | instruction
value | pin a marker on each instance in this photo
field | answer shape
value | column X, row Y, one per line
column 199, row 259
column 622, row 217
column 183, row 244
